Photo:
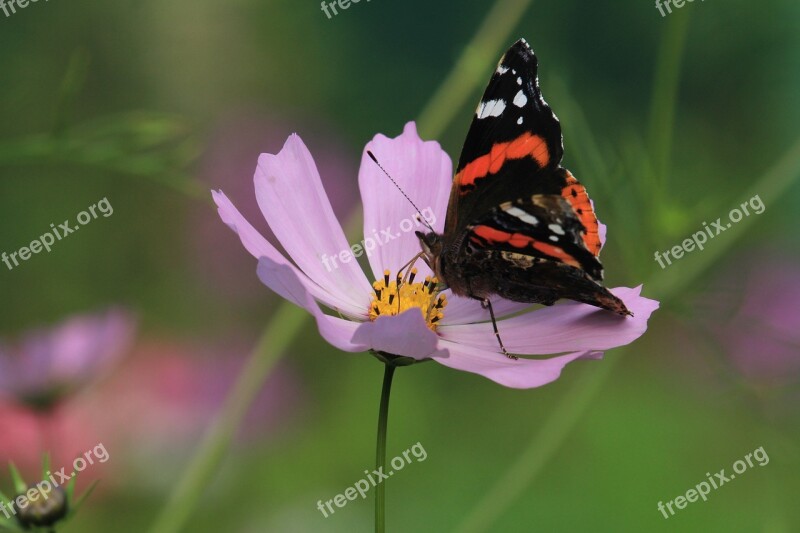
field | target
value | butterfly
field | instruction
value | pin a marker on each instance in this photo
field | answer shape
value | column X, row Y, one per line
column 518, row 225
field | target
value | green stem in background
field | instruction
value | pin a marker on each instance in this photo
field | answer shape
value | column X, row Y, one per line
column 558, row 425
column 770, row 187
column 39, row 149
column 465, row 77
column 287, row 322
column 544, row 444
column 380, row 453
column 665, row 96
column 484, row 49
column 71, row 87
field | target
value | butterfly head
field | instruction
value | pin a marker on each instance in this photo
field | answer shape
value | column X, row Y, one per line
column 431, row 244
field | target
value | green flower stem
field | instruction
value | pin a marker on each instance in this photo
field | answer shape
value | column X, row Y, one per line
column 380, row 454
column 38, row 149
column 558, row 425
column 544, row 444
column 770, row 187
column 282, row 330
column 665, row 96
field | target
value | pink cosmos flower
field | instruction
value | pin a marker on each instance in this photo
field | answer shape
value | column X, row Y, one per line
column 47, row 364
column 452, row 331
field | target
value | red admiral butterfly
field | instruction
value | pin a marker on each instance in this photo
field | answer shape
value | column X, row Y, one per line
column 518, row 225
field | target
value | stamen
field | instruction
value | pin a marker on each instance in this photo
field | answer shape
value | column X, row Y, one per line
column 399, row 296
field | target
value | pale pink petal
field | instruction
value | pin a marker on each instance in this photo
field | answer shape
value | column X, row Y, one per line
column 285, row 281
column 518, row 374
column 405, row 334
column 259, row 247
column 461, row 310
column 425, row 173
column 291, row 197
column 564, row 327
column 602, row 230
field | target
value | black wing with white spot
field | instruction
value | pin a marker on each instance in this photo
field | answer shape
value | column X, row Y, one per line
column 513, row 144
column 512, row 105
column 542, row 226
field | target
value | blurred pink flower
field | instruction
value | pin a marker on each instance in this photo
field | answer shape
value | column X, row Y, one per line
column 290, row 193
column 167, row 394
column 65, row 433
column 762, row 333
column 47, row 364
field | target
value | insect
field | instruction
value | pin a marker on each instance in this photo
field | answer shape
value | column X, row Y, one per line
column 519, row 225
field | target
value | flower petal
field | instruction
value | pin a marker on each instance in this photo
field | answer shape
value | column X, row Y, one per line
column 259, row 247
column 404, row 334
column 602, row 229
column 517, row 374
column 462, row 310
column 425, row 173
column 565, row 327
column 285, row 280
column 291, row 197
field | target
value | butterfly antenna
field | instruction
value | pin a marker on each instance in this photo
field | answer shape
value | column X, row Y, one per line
column 422, row 217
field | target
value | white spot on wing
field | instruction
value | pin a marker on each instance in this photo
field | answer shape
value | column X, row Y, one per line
column 555, row 228
column 519, row 81
column 519, row 120
column 492, row 108
column 520, row 99
column 501, row 69
column 553, row 238
column 522, row 215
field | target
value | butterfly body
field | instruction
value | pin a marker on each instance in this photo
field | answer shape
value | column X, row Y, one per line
column 518, row 224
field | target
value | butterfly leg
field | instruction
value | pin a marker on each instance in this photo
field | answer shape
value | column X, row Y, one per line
column 486, row 303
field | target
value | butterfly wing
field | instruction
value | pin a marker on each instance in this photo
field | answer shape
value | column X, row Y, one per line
column 519, row 225
column 542, row 226
column 531, row 250
column 513, row 137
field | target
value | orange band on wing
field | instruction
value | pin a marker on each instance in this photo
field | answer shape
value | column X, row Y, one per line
column 526, row 145
column 518, row 240
column 578, row 198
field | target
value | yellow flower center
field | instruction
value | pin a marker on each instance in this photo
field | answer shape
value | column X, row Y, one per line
column 392, row 298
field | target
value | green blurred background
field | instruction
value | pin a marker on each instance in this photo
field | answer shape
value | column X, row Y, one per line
column 150, row 104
